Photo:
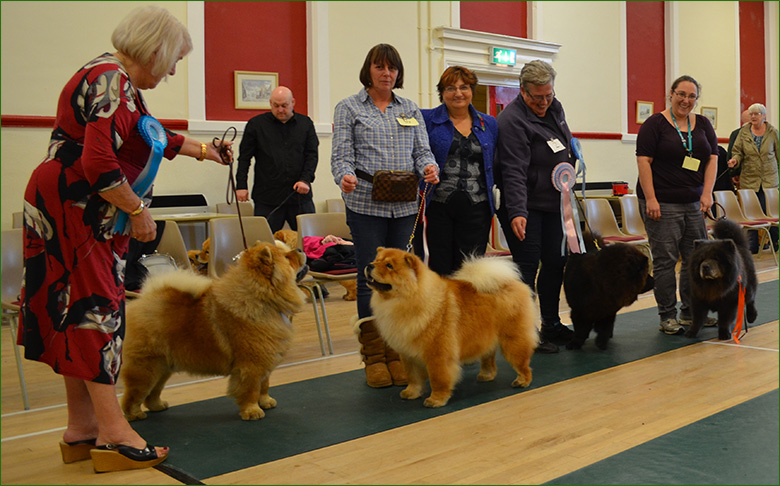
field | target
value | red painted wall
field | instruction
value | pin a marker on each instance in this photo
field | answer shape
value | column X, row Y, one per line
column 508, row 18
column 253, row 36
column 752, row 68
column 501, row 95
column 646, row 63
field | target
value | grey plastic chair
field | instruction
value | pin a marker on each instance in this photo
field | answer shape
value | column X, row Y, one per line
column 12, row 271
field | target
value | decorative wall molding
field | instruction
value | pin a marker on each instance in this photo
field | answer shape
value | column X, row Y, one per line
column 471, row 49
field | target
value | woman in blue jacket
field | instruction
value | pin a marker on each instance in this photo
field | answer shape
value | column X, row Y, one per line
column 460, row 208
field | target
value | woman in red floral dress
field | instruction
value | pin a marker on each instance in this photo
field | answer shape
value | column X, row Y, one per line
column 73, row 303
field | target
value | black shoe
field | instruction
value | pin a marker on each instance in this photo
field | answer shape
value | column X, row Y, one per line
column 325, row 292
column 545, row 346
column 557, row 333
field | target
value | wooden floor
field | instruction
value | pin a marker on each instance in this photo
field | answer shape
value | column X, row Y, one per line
column 479, row 445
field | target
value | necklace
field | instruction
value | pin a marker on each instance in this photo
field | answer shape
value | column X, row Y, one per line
column 689, row 145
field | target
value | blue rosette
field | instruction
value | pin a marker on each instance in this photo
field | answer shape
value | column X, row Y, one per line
column 155, row 136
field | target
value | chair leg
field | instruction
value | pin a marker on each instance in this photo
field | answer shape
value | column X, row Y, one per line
column 325, row 321
column 771, row 246
column 13, row 321
column 313, row 296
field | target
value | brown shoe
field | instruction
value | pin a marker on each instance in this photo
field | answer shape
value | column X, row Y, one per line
column 396, row 366
column 373, row 351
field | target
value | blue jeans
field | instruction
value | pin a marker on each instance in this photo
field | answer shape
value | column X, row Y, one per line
column 671, row 238
column 368, row 233
column 542, row 243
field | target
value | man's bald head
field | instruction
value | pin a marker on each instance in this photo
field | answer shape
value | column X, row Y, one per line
column 745, row 117
column 282, row 104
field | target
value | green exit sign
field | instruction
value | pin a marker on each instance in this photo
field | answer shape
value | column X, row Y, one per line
column 501, row 55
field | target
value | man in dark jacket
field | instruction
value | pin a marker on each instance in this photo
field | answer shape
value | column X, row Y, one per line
column 284, row 146
column 533, row 138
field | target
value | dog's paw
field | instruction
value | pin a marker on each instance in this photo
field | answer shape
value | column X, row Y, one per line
column 252, row 413
column 431, row 402
column 487, row 375
column 135, row 415
column 410, row 393
column 724, row 335
column 571, row 345
column 690, row 334
column 521, row 382
column 267, row 402
column 156, row 405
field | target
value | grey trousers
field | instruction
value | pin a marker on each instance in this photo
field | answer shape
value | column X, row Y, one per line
column 672, row 237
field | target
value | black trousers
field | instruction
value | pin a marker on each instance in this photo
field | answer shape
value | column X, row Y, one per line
column 455, row 230
column 542, row 244
column 277, row 215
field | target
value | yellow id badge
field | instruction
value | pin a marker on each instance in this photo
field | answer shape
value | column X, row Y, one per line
column 691, row 164
column 407, row 122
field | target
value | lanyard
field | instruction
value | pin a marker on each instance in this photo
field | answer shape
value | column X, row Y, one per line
column 689, row 146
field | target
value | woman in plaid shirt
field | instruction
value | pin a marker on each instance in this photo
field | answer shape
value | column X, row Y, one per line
column 375, row 130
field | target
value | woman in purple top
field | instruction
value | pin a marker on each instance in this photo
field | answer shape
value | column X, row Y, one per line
column 677, row 157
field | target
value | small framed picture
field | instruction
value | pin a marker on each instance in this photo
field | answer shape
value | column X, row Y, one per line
column 711, row 114
column 643, row 111
column 253, row 89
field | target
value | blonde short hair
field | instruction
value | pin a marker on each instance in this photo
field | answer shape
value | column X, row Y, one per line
column 757, row 107
column 152, row 30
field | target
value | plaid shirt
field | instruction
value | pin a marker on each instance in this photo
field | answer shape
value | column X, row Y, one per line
column 367, row 139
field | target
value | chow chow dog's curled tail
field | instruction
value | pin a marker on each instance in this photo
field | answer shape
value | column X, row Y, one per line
column 488, row 274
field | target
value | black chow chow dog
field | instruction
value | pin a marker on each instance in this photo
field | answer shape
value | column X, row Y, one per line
column 601, row 282
column 715, row 269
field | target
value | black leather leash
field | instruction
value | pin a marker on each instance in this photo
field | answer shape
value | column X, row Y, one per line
column 230, row 195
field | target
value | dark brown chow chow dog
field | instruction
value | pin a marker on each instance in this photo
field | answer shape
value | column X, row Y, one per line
column 716, row 269
column 598, row 284
column 238, row 325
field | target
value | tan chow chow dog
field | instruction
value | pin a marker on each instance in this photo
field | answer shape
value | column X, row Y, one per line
column 437, row 323
column 237, row 325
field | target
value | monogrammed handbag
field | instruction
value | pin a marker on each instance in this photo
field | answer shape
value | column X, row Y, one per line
column 391, row 185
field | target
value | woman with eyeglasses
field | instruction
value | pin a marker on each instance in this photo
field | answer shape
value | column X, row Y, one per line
column 533, row 138
column 677, row 158
column 756, row 157
column 460, row 208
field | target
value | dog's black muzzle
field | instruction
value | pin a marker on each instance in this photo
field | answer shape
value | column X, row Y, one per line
column 302, row 273
column 378, row 286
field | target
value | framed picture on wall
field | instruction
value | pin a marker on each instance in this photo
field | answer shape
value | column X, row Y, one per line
column 253, row 89
column 711, row 114
column 643, row 111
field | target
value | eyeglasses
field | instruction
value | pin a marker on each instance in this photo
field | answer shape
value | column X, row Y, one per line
column 539, row 98
column 464, row 88
column 682, row 96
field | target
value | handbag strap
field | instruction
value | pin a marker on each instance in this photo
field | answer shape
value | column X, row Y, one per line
column 364, row 175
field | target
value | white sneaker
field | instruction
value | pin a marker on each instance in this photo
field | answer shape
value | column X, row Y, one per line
column 709, row 322
column 671, row 326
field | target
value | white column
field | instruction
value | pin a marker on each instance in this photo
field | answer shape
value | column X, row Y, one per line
column 318, row 67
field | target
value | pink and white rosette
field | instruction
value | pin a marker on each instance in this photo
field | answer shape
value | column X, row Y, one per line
column 563, row 178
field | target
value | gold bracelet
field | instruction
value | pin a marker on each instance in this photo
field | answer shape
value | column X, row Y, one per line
column 139, row 209
column 202, row 152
